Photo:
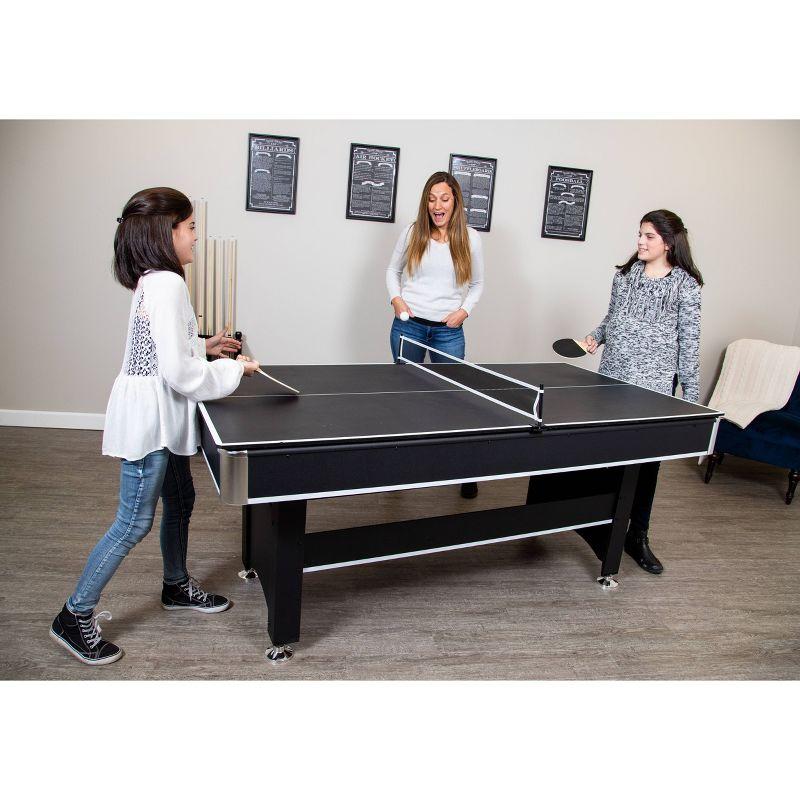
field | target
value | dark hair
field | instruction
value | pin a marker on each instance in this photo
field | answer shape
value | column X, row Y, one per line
column 670, row 228
column 144, row 235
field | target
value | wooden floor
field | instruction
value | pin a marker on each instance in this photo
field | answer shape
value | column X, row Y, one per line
column 726, row 607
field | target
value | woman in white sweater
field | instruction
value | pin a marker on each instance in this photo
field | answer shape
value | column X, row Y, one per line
column 435, row 278
column 435, row 275
column 151, row 417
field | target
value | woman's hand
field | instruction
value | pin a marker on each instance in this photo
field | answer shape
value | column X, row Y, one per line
column 400, row 306
column 220, row 344
column 591, row 344
column 250, row 365
column 455, row 318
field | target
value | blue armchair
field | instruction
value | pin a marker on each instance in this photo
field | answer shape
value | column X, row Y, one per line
column 772, row 437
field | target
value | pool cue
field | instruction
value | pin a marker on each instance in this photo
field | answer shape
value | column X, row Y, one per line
column 219, row 283
column 199, row 299
column 211, row 278
column 229, row 294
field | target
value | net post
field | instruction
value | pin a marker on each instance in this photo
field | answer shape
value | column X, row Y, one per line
column 540, row 424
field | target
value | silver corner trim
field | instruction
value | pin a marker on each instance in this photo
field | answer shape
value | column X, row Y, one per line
column 233, row 477
column 712, row 442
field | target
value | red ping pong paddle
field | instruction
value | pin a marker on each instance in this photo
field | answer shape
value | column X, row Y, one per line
column 569, row 348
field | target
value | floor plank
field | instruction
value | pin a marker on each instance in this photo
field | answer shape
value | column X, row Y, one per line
column 726, row 607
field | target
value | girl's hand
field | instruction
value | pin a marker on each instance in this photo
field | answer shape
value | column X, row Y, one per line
column 591, row 344
column 400, row 306
column 220, row 344
column 455, row 318
column 250, row 365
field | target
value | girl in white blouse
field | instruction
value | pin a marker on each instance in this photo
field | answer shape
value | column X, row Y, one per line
column 151, row 417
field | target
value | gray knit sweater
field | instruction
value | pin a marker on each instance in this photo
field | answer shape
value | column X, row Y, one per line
column 652, row 331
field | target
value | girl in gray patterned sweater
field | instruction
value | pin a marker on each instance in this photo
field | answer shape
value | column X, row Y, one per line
column 652, row 339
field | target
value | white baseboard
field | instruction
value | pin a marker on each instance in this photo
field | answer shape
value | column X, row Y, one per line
column 52, row 419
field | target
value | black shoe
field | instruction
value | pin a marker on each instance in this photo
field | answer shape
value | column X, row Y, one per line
column 189, row 595
column 80, row 635
column 469, row 490
column 637, row 547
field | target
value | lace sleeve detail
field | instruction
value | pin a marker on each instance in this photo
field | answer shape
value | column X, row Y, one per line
column 142, row 357
column 182, row 368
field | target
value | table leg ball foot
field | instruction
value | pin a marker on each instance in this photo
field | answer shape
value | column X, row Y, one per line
column 279, row 655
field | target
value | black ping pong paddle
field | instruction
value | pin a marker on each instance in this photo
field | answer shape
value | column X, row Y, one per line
column 569, row 348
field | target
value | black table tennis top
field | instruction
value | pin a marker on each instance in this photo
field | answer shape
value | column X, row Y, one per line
column 346, row 402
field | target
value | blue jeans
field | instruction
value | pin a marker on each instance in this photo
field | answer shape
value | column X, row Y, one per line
column 159, row 473
column 448, row 340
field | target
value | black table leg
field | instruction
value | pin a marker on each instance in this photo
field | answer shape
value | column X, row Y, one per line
column 619, row 525
column 606, row 541
column 247, row 573
column 276, row 534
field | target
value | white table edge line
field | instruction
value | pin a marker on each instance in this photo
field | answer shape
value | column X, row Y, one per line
column 211, row 427
column 388, row 437
column 464, row 545
column 455, row 481
column 430, row 391
column 211, row 472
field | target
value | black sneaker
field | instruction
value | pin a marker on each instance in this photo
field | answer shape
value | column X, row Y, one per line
column 80, row 635
column 189, row 595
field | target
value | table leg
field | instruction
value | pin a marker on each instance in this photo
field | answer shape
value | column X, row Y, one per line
column 606, row 541
column 248, row 573
column 276, row 534
column 619, row 526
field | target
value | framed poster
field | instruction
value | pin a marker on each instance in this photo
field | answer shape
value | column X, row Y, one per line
column 475, row 176
column 566, row 203
column 272, row 173
column 372, row 182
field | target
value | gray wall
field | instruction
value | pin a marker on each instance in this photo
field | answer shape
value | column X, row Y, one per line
column 311, row 286
column 797, row 332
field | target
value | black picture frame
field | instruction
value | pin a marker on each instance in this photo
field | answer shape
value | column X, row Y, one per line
column 261, row 195
column 366, row 160
column 470, row 171
column 565, row 218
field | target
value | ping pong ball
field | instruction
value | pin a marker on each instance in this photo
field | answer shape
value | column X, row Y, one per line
column 404, row 316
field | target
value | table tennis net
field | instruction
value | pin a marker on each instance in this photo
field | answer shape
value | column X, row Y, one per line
column 512, row 393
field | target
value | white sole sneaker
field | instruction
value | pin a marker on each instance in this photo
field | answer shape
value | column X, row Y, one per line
column 92, row 662
column 214, row 610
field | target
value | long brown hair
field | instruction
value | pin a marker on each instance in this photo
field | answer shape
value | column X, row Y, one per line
column 143, row 240
column 671, row 229
column 457, row 231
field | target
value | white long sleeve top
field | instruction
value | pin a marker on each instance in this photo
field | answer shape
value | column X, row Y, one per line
column 164, row 374
column 432, row 292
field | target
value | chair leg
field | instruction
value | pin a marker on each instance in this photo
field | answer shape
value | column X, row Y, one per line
column 713, row 460
column 794, row 475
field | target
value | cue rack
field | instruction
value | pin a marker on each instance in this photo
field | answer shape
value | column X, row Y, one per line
column 211, row 279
